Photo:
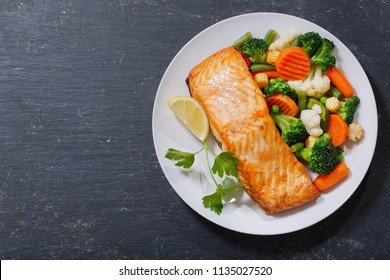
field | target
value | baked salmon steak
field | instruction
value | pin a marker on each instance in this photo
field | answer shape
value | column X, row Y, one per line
column 239, row 119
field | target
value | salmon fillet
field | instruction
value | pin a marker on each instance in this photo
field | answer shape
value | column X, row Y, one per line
column 240, row 120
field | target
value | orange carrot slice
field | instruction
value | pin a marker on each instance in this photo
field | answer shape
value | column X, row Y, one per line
column 286, row 105
column 340, row 81
column 337, row 128
column 271, row 74
column 293, row 64
column 325, row 181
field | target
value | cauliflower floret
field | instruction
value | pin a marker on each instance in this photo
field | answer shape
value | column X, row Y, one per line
column 355, row 132
column 315, row 85
column 284, row 41
column 317, row 108
column 311, row 120
column 333, row 104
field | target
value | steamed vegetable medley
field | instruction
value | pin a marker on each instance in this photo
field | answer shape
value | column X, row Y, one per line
column 311, row 101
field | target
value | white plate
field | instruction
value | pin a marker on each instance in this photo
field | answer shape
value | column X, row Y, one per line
column 241, row 214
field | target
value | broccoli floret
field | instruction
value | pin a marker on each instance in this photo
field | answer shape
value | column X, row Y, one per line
column 348, row 108
column 256, row 50
column 323, row 157
column 280, row 86
column 309, row 42
column 292, row 129
column 322, row 56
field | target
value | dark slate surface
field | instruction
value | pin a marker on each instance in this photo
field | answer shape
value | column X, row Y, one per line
column 79, row 177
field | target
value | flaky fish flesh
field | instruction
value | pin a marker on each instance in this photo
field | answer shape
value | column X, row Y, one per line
column 240, row 120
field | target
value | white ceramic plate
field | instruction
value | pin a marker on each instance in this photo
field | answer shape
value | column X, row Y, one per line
column 240, row 213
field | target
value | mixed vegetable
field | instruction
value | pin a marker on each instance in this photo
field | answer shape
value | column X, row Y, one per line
column 310, row 100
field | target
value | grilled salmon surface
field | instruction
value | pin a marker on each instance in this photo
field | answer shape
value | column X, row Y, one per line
column 240, row 120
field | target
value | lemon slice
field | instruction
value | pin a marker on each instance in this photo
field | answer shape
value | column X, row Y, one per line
column 191, row 114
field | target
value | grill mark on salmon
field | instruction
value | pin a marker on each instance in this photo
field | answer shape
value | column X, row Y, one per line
column 239, row 115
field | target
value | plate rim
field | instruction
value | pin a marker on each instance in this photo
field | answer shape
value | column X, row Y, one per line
column 178, row 54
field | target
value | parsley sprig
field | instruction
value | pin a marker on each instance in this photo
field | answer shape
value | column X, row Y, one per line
column 184, row 159
column 224, row 166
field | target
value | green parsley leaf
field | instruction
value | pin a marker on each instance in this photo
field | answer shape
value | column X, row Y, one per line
column 228, row 184
column 214, row 201
column 184, row 159
column 225, row 163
